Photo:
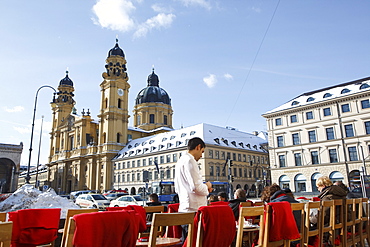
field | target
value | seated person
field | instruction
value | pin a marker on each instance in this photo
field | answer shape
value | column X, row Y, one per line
column 222, row 196
column 274, row 193
column 212, row 198
column 240, row 196
column 153, row 200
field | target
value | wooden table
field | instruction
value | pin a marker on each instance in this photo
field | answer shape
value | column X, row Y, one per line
column 161, row 242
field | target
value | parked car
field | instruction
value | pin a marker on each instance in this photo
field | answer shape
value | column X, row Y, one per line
column 116, row 191
column 75, row 194
column 92, row 201
column 112, row 196
column 124, row 201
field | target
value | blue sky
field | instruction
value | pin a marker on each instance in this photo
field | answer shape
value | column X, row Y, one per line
column 222, row 62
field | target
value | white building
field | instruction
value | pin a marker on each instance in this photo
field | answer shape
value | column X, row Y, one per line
column 250, row 159
column 322, row 132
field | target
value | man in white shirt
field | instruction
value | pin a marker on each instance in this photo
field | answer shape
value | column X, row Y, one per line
column 188, row 180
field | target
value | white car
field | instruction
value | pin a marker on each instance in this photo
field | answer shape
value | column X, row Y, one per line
column 92, row 201
column 112, row 196
column 124, row 201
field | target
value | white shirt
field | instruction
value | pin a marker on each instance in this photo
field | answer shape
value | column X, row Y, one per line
column 189, row 184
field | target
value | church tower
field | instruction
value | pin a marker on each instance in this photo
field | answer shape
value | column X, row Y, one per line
column 153, row 106
column 113, row 111
column 62, row 107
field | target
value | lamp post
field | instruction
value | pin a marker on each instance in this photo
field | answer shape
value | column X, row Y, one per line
column 33, row 126
column 38, row 155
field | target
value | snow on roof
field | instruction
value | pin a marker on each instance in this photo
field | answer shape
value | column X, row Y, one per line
column 213, row 135
column 149, row 131
column 324, row 94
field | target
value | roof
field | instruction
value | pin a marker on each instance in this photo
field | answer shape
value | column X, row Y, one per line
column 212, row 135
column 326, row 94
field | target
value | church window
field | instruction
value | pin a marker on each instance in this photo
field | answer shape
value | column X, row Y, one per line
column 151, row 118
column 165, row 119
column 119, row 103
column 138, row 119
column 118, row 137
column 106, row 103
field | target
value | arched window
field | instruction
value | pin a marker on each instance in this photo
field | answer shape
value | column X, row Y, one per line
column 138, row 119
column 106, row 103
column 337, row 176
column 314, row 177
column 310, row 99
column 346, row 90
column 118, row 137
column 165, row 119
column 284, row 182
column 119, row 103
column 365, row 85
column 327, row 95
column 295, row 103
column 300, row 183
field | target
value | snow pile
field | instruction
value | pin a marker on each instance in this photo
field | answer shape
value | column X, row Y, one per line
column 29, row 197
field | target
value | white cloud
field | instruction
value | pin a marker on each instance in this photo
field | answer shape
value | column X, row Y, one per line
column 201, row 3
column 210, row 80
column 14, row 109
column 158, row 21
column 257, row 10
column 114, row 14
column 228, row 77
column 21, row 130
column 159, row 8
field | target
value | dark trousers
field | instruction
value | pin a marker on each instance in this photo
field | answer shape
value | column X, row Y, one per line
column 184, row 232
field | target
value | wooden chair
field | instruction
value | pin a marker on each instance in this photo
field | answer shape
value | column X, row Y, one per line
column 357, row 220
column 171, row 219
column 265, row 240
column 246, row 204
column 2, row 216
column 6, row 233
column 71, row 213
column 248, row 212
column 215, row 226
column 259, row 203
column 327, row 220
column 298, row 208
column 149, row 217
column 338, row 222
column 114, row 228
column 365, row 227
column 308, row 230
column 348, row 223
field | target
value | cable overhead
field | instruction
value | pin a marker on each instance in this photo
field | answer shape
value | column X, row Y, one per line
column 254, row 60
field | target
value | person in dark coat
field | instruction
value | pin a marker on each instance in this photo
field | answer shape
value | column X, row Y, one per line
column 240, row 196
column 274, row 193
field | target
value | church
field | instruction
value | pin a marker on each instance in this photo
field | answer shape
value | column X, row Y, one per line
column 81, row 148
column 88, row 154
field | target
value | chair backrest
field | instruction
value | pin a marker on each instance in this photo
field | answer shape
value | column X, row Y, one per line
column 327, row 219
column 2, row 216
column 246, row 204
column 348, row 222
column 114, row 228
column 248, row 212
column 279, row 224
column 365, row 227
column 173, row 231
column 357, row 207
column 338, row 221
column 5, row 233
column 154, row 209
column 258, row 203
column 298, row 211
column 71, row 213
column 312, row 210
column 171, row 219
column 35, row 226
column 215, row 226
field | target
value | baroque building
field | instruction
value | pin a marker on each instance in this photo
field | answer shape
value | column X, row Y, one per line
column 322, row 132
column 81, row 148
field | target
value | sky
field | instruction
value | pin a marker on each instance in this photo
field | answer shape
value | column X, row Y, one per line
column 222, row 62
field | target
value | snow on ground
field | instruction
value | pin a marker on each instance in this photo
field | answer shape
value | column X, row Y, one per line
column 29, row 197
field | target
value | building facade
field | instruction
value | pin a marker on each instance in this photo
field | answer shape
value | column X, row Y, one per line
column 322, row 132
column 81, row 148
column 158, row 155
column 10, row 158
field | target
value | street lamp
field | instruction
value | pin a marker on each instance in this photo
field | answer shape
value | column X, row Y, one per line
column 38, row 155
column 33, row 126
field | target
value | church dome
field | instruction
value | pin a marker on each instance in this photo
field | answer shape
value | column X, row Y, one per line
column 66, row 81
column 153, row 93
column 116, row 51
